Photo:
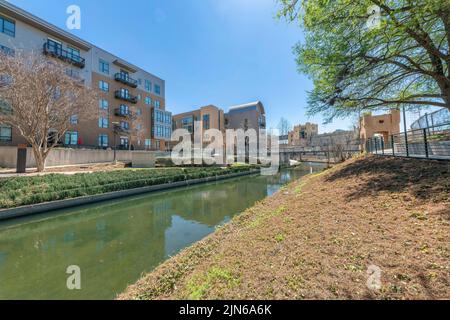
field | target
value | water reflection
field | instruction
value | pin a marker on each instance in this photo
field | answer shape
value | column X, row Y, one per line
column 114, row 243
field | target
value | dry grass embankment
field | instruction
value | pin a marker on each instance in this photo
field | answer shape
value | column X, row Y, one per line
column 316, row 238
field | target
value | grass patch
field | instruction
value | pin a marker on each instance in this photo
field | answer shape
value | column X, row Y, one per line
column 198, row 286
column 265, row 216
column 20, row 191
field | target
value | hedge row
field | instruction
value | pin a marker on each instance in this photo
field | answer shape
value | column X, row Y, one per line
column 15, row 192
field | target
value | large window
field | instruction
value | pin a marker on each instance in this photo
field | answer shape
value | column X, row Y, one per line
column 5, row 133
column 148, row 101
column 7, row 27
column 157, row 104
column 103, row 85
column 103, row 66
column 157, row 89
column 124, row 125
column 148, row 85
column 103, row 122
column 104, row 104
column 73, row 53
column 71, row 138
column 103, row 140
column 206, row 122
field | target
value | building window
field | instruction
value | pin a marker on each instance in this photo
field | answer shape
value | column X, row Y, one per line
column 103, row 122
column 74, row 119
column 5, row 133
column 103, row 140
column 157, row 144
column 7, row 51
column 103, row 104
column 157, row 89
column 148, row 85
column 7, row 27
column 157, row 104
column 73, row 53
column 148, row 143
column 123, row 142
column 103, row 85
column 206, row 122
column 124, row 110
column 138, row 111
column 139, row 127
column 71, row 138
column 148, row 101
column 124, row 125
column 103, row 66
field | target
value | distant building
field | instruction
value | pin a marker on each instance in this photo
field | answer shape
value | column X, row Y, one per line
column 211, row 117
column 347, row 139
column 384, row 125
column 302, row 134
column 246, row 116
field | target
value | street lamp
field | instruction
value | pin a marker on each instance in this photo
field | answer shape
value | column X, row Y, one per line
column 116, row 126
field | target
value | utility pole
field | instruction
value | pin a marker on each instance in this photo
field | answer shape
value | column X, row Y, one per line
column 406, row 131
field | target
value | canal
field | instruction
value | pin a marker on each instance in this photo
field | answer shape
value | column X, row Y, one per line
column 114, row 243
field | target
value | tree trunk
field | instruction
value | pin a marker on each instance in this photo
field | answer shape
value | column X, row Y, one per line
column 39, row 157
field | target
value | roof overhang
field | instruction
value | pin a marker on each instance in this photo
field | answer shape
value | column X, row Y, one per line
column 125, row 65
column 18, row 14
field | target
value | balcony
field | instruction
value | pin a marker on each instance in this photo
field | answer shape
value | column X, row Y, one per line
column 125, row 97
column 126, row 80
column 64, row 55
column 122, row 113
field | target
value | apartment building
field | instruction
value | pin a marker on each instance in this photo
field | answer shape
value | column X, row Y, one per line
column 131, row 109
column 210, row 117
column 303, row 134
column 246, row 116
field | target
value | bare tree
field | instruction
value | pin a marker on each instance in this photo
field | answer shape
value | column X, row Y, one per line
column 284, row 126
column 39, row 98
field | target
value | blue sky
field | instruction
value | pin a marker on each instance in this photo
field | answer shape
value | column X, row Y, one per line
column 221, row 52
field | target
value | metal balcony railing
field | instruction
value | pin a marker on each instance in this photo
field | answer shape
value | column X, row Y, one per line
column 120, row 77
column 122, row 112
column 64, row 55
column 126, row 97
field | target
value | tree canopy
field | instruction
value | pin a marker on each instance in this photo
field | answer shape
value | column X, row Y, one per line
column 400, row 60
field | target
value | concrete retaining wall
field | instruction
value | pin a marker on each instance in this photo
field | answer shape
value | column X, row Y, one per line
column 68, row 203
column 63, row 156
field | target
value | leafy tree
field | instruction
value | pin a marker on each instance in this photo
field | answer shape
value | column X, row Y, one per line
column 359, row 60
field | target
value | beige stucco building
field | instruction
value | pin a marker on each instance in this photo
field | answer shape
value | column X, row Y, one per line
column 384, row 125
column 302, row 134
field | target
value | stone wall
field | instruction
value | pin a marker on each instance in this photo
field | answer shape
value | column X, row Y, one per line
column 63, row 156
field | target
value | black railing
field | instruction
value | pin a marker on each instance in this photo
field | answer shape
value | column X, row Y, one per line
column 122, row 113
column 64, row 55
column 120, row 77
column 430, row 143
column 126, row 97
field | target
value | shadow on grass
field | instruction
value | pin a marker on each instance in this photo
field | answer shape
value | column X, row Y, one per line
column 422, row 179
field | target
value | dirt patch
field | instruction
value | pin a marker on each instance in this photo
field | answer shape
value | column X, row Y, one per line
column 326, row 236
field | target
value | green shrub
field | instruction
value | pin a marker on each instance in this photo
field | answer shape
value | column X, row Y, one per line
column 19, row 191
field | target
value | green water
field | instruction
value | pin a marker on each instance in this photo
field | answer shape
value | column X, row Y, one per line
column 113, row 243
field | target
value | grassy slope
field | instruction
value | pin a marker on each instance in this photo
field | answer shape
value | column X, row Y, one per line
column 316, row 238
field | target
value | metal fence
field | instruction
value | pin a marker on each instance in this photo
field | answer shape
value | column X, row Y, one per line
column 432, row 143
column 437, row 118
